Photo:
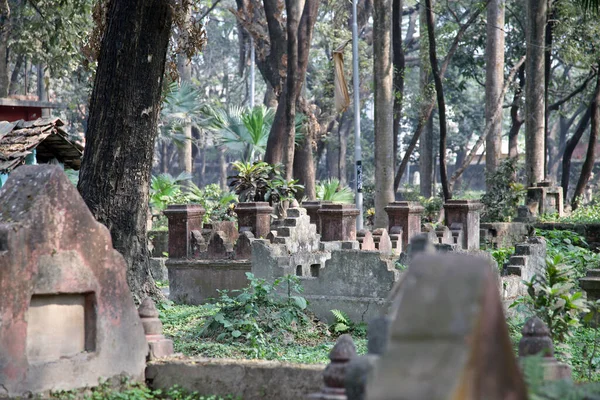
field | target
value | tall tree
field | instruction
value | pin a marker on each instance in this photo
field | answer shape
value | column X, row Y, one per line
column 124, row 109
column 399, row 67
column 4, row 32
column 535, row 91
column 494, row 80
column 184, row 67
column 439, row 89
column 384, row 102
column 426, row 160
column 590, row 157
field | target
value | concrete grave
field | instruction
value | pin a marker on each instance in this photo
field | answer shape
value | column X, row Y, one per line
column 448, row 338
column 67, row 318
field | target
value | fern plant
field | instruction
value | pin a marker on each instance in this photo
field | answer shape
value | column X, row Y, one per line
column 343, row 324
column 333, row 190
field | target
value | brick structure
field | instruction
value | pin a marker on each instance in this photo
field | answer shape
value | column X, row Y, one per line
column 407, row 216
column 549, row 198
column 183, row 220
column 158, row 345
column 464, row 215
column 312, row 209
column 255, row 217
column 338, row 222
column 66, row 311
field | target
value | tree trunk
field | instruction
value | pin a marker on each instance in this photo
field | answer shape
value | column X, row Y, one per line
column 222, row 168
column 547, row 77
column 516, row 120
column 439, row 89
column 494, row 80
column 333, row 151
column 534, row 91
column 426, row 160
column 590, row 157
column 184, row 67
column 384, row 102
column 14, row 77
column 4, row 33
column 343, row 133
column 123, row 125
column 304, row 168
column 570, row 148
column 428, row 108
column 399, row 63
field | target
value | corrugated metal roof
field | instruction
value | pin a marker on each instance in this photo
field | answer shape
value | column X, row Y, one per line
column 19, row 139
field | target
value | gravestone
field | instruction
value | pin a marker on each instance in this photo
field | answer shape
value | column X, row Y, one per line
column 448, row 336
column 67, row 318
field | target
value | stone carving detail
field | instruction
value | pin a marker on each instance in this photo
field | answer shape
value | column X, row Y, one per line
column 334, row 375
column 158, row 345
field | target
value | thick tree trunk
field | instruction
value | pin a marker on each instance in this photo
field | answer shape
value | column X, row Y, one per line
column 494, row 80
column 333, row 151
column 590, row 157
column 184, row 67
column 343, row 133
column 222, row 168
column 304, row 168
column 426, row 159
column 439, row 89
column 570, row 148
column 547, row 77
column 384, row 103
column 124, row 109
column 4, row 33
column 399, row 64
column 534, row 91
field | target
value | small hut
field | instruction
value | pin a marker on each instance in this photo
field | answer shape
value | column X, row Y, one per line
column 36, row 142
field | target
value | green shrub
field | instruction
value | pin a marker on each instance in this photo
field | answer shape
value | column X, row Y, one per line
column 502, row 255
column 332, row 190
column 573, row 248
column 503, row 194
column 343, row 324
column 553, row 297
column 260, row 315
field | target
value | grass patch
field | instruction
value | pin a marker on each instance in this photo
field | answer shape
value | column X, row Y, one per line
column 184, row 325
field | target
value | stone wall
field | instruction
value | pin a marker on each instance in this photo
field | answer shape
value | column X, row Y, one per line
column 503, row 234
column 248, row 379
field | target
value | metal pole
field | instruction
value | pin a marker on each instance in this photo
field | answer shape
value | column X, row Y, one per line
column 252, row 72
column 357, row 150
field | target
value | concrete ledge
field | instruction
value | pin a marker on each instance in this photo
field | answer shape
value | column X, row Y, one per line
column 249, row 379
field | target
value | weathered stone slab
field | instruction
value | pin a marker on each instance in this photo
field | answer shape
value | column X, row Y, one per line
column 448, row 338
column 67, row 317
column 243, row 246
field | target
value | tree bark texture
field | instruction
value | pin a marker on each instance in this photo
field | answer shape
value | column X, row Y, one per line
column 570, row 148
column 590, row 157
column 426, row 160
column 494, row 80
column 516, row 119
column 384, row 104
column 399, row 66
column 439, row 89
column 14, row 77
column 184, row 67
column 124, row 109
column 534, row 91
column 4, row 33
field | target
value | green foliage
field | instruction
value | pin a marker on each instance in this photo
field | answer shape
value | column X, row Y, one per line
column 555, row 300
column 332, row 190
column 432, row 205
column 136, row 391
column 261, row 315
column 166, row 190
column 343, row 324
column 260, row 181
column 502, row 255
column 573, row 248
column 503, row 193
column 588, row 214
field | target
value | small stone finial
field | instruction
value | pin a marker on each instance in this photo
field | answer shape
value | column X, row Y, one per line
column 536, row 339
column 159, row 346
column 334, row 375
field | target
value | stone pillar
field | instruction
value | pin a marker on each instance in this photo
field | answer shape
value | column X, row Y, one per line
column 254, row 216
column 547, row 198
column 406, row 215
column 312, row 209
column 338, row 222
column 334, row 375
column 591, row 284
column 466, row 213
column 536, row 340
column 183, row 219
column 159, row 346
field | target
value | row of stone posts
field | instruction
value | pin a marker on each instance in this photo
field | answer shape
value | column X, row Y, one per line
column 335, row 222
